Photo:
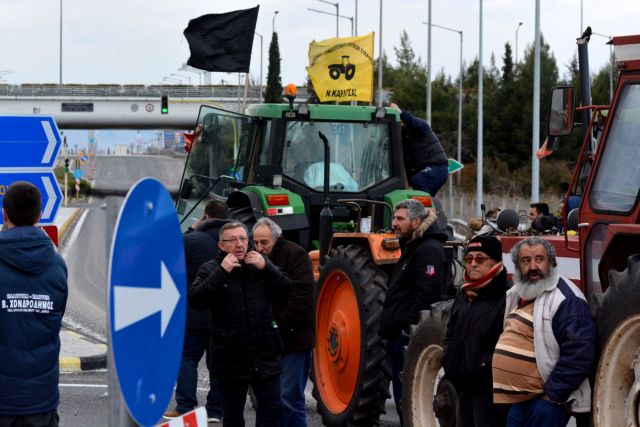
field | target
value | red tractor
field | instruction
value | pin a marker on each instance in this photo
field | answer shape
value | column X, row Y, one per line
column 599, row 251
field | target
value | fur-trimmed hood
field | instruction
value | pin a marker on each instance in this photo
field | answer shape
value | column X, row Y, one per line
column 429, row 227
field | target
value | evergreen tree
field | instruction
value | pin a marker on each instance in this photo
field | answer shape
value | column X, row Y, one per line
column 409, row 91
column 273, row 91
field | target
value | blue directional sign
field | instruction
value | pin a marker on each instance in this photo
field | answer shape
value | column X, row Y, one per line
column 77, row 174
column 147, row 300
column 28, row 141
column 46, row 183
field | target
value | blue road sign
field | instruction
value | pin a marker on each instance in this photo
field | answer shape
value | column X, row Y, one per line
column 77, row 174
column 84, row 159
column 46, row 183
column 147, row 299
column 28, row 141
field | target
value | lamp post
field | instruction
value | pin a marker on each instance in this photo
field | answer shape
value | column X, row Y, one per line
column 190, row 69
column 479, row 154
column 428, row 106
column 459, row 153
column 273, row 22
column 260, row 85
column 171, row 79
column 611, row 66
column 380, row 60
column 182, row 76
column 60, row 42
column 517, row 29
column 339, row 16
column 337, row 6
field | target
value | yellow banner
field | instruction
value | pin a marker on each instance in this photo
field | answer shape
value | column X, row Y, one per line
column 341, row 69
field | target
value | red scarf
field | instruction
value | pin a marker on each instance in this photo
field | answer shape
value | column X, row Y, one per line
column 471, row 287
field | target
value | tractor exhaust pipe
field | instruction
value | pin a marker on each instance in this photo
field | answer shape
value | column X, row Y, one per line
column 326, row 216
column 585, row 81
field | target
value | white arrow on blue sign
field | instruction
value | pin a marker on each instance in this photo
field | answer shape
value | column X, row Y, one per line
column 147, row 300
column 28, row 141
column 46, row 183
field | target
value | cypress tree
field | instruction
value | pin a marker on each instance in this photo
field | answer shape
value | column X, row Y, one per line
column 273, row 91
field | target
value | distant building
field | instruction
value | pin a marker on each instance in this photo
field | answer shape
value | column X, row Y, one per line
column 120, row 150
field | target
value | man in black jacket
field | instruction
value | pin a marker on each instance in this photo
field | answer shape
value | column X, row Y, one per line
column 200, row 246
column 238, row 288
column 474, row 327
column 295, row 316
column 417, row 282
column 426, row 162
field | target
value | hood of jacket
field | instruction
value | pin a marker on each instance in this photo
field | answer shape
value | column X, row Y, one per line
column 429, row 227
column 27, row 249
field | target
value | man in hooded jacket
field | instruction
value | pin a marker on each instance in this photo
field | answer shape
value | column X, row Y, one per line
column 417, row 282
column 33, row 298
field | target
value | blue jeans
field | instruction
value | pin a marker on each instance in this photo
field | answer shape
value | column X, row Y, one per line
column 395, row 351
column 234, row 396
column 293, row 380
column 196, row 343
column 430, row 179
column 537, row 413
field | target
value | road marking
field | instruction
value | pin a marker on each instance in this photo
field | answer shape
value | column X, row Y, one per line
column 84, row 385
column 75, row 233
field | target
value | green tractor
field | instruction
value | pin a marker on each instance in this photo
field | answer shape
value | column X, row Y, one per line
column 329, row 176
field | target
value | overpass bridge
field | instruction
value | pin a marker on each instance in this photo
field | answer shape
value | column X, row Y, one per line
column 123, row 106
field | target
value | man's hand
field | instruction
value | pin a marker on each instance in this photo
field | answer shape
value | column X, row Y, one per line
column 229, row 263
column 254, row 258
column 395, row 107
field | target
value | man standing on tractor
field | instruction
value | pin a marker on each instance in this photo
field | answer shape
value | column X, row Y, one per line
column 417, row 282
column 294, row 314
column 546, row 353
column 473, row 330
column 426, row 162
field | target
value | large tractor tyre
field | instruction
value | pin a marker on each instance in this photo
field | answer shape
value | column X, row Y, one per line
column 428, row 399
column 616, row 397
column 350, row 373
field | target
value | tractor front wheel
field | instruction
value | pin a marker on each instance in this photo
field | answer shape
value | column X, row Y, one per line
column 428, row 399
column 350, row 374
column 616, row 397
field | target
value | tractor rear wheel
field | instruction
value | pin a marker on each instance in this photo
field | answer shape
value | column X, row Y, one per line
column 616, row 397
column 427, row 398
column 350, row 374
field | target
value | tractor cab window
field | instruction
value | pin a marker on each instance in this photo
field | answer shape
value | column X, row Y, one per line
column 359, row 154
column 617, row 179
column 218, row 156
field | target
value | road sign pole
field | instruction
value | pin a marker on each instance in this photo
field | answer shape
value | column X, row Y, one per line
column 65, row 188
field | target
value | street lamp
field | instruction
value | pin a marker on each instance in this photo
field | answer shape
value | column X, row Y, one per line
column 171, row 79
column 190, row 69
column 610, row 63
column 337, row 6
column 273, row 22
column 260, row 35
column 459, row 154
column 183, row 76
column 339, row 16
column 517, row 28
column 60, row 42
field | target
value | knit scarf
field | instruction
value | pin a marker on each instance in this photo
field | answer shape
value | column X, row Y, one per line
column 471, row 287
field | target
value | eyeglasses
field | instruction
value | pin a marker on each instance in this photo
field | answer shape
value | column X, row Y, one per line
column 235, row 240
column 478, row 259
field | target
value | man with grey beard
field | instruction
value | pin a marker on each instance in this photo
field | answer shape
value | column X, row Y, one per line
column 546, row 352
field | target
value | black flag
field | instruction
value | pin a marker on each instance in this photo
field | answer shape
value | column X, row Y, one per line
column 222, row 41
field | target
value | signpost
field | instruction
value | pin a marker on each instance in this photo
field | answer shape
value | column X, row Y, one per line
column 147, row 300
column 454, row 166
column 28, row 149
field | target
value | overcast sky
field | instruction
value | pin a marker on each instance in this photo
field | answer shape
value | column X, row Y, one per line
column 141, row 41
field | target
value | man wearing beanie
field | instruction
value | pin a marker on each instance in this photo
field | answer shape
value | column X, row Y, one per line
column 475, row 324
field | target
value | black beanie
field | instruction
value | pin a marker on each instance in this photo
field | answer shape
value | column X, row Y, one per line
column 487, row 244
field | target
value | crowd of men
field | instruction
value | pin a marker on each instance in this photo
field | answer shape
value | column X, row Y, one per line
column 518, row 354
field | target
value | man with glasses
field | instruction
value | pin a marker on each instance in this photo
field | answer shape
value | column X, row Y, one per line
column 417, row 282
column 238, row 288
column 475, row 324
column 543, row 359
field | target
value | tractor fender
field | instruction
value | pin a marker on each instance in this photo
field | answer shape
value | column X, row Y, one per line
column 247, row 207
column 377, row 244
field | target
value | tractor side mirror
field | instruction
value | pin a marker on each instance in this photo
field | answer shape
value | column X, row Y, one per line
column 186, row 189
column 561, row 111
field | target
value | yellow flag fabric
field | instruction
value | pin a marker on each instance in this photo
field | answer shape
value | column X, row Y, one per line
column 341, row 69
